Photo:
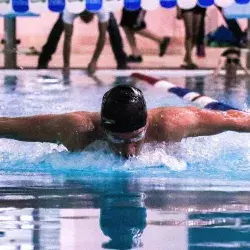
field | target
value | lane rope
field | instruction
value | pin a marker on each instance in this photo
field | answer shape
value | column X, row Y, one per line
column 189, row 95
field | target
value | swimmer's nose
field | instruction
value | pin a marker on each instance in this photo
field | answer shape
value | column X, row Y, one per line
column 128, row 150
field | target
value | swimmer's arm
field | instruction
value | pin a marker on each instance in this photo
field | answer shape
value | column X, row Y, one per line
column 68, row 32
column 206, row 122
column 41, row 128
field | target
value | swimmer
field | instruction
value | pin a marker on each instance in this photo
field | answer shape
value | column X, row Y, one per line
column 124, row 122
column 230, row 59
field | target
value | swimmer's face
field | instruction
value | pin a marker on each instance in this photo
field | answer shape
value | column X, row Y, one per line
column 126, row 144
column 232, row 62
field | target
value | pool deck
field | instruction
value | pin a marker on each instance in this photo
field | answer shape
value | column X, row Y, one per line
column 172, row 60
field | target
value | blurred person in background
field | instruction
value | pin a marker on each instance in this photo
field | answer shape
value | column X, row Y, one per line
column 133, row 22
column 49, row 48
column 230, row 59
column 68, row 20
column 232, row 25
column 51, row 44
column 235, row 28
column 193, row 20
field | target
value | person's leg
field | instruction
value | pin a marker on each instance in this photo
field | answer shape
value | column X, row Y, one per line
column 163, row 42
column 50, row 46
column 200, row 42
column 116, row 43
column 188, row 23
column 130, row 35
column 198, row 21
column 129, row 24
column 150, row 35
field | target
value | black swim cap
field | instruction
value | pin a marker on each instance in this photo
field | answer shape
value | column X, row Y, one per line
column 123, row 109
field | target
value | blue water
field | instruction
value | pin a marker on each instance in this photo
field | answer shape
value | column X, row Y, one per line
column 180, row 196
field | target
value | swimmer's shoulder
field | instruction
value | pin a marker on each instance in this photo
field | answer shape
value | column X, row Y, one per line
column 170, row 123
column 85, row 120
column 84, row 129
column 170, row 111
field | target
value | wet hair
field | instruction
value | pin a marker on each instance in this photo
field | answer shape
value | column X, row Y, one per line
column 123, row 109
column 232, row 50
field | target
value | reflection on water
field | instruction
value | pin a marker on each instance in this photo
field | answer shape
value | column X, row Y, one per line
column 10, row 82
column 123, row 219
column 124, row 214
column 219, row 231
column 232, row 91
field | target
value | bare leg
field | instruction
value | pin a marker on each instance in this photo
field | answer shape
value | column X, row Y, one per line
column 188, row 22
column 163, row 42
column 132, row 41
column 197, row 22
column 152, row 36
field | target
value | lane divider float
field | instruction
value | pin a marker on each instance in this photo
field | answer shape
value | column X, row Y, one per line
column 189, row 95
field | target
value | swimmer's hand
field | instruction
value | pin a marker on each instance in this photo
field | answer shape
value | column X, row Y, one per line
column 91, row 68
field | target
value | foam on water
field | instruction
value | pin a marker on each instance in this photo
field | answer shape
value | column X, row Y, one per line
column 222, row 157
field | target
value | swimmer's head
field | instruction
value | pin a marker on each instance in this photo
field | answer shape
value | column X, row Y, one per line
column 123, row 109
column 124, row 119
column 232, row 61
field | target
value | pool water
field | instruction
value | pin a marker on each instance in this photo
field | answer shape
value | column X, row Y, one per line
column 188, row 195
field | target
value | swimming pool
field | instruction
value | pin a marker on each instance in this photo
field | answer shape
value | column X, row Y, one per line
column 178, row 196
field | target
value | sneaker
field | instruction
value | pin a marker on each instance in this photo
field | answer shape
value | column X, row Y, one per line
column 200, row 50
column 42, row 66
column 134, row 59
column 163, row 46
column 189, row 66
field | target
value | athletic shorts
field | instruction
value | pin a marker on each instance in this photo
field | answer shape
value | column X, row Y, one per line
column 196, row 10
column 133, row 20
